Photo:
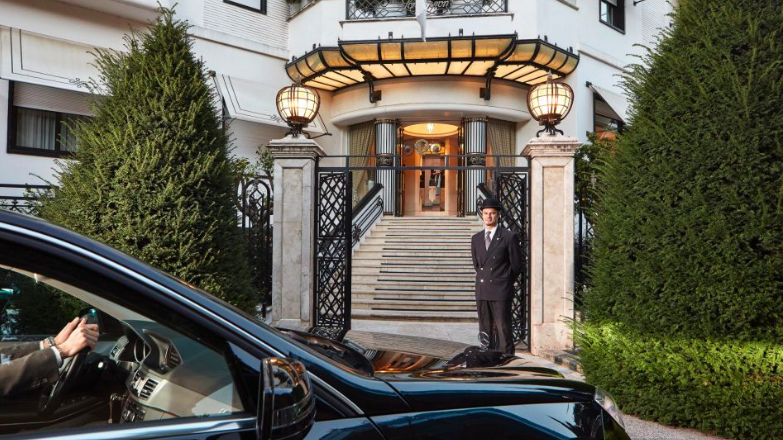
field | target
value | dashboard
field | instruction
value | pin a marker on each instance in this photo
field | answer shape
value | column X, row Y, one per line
column 169, row 375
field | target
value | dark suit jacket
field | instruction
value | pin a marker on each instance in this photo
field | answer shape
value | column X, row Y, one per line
column 24, row 366
column 498, row 267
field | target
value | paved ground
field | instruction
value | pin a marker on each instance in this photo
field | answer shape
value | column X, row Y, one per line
column 447, row 340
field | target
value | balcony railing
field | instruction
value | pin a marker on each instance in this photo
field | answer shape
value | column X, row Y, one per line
column 368, row 9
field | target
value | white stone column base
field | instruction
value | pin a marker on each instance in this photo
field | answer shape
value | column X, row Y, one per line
column 293, row 236
column 551, row 241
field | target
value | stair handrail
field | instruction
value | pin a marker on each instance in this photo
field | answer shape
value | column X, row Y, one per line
column 366, row 213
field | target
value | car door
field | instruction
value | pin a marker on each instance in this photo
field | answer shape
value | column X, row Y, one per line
column 159, row 335
column 161, row 376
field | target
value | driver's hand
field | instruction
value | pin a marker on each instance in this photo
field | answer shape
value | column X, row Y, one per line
column 66, row 331
column 84, row 335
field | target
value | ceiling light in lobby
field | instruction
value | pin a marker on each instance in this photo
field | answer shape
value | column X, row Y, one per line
column 431, row 129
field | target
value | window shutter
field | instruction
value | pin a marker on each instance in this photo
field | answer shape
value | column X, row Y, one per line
column 611, row 2
column 48, row 98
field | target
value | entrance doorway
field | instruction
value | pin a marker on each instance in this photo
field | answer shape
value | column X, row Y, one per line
column 432, row 148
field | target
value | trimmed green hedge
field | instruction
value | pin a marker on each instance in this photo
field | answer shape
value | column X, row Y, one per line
column 732, row 388
column 685, row 307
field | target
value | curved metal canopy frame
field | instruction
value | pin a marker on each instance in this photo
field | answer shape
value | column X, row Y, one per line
column 490, row 56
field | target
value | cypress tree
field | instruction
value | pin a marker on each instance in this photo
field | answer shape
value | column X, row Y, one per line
column 152, row 176
column 683, row 319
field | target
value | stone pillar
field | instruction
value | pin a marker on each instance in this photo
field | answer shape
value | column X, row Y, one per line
column 385, row 144
column 551, row 241
column 293, row 236
column 475, row 144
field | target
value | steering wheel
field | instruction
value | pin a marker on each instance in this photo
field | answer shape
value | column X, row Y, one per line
column 69, row 371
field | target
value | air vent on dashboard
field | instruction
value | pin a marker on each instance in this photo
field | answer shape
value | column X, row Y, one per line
column 172, row 358
column 148, row 388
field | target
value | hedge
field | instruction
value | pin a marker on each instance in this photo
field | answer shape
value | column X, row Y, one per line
column 684, row 314
column 729, row 387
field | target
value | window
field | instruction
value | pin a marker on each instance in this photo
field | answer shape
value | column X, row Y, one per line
column 612, row 14
column 41, row 120
column 253, row 5
column 145, row 368
column 607, row 123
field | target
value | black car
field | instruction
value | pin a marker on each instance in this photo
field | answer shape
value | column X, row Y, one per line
column 174, row 362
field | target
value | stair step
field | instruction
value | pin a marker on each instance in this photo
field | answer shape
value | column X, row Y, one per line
column 413, row 280
column 415, row 315
column 365, row 294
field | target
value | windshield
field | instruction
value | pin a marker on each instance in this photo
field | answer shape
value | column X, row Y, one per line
column 347, row 357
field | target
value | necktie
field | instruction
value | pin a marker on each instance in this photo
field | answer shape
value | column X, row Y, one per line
column 488, row 240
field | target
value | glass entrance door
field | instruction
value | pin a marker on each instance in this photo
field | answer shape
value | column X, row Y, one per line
column 432, row 185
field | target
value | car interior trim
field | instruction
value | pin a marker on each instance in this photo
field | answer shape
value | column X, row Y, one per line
column 145, row 280
column 151, row 430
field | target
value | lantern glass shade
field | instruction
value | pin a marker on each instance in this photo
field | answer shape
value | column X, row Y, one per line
column 550, row 102
column 298, row 104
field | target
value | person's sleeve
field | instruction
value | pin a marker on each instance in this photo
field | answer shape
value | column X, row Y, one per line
column 516, row 256
column 32, row 371
column 473, row 255
column 19, row 350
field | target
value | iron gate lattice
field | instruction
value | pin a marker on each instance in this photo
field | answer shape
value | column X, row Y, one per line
column 512, row 193
column 332, row 305
column 511, row 189
column 255, row 210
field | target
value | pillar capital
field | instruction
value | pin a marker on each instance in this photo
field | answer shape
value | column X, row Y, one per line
column 295, row 148
column 551, row 146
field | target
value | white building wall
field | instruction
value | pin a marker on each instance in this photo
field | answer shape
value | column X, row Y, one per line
column 241, row 43
column 270, row 28
column 251, row 46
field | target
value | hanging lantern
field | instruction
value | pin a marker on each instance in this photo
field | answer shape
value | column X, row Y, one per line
column 298, row 106
column 549, row 103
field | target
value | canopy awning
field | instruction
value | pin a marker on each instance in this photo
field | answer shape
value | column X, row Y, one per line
column 617, row 102
column 39, row 59
column 352, row 62
column 253, row 101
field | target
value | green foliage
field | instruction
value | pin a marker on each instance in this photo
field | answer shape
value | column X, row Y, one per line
column 689, row 231
column 587, row 162
column 35, row 308
column 152, row 176
column 684, row 316
column 729, row 387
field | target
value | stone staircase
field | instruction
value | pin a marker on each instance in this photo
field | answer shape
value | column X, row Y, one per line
column 415, row 268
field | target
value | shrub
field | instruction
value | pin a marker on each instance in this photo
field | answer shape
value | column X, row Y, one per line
column 152, row 176
column 727, row 386
column 685, row 306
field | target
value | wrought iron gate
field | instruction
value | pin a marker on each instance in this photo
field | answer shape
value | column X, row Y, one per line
column 255, row 209
column 332, row 305
column 510, row 186
column 334, row 241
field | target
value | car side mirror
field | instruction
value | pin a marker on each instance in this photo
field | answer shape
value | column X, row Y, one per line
column 285, row 401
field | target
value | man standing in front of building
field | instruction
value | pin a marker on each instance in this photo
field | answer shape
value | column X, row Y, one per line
column 498, row 260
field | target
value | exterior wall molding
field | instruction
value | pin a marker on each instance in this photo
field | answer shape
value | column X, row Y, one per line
column 599, row 56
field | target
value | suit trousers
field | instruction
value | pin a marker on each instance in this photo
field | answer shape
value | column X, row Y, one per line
column 495, row 325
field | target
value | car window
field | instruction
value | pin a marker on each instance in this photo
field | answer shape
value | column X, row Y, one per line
column 141, row 369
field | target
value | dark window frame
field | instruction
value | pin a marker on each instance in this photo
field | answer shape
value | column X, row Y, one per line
column 620, row 123
column 261, row 6
column 12, row 148
column 618, row 15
